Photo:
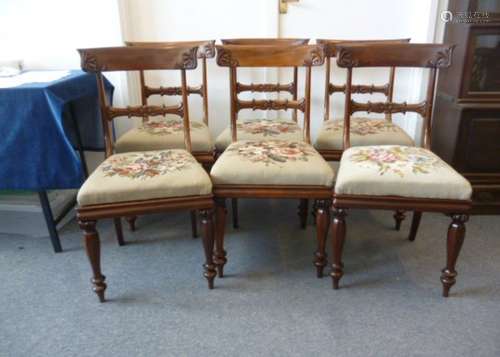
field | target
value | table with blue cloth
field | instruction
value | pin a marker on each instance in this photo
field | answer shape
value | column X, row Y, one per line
column 44, row 129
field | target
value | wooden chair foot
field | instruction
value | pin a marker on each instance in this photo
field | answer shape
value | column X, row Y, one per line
column 219, row 254
column 454, row 242
column 399, row 217
column 338, row 239
column 322, row 223
column 93, row 250
column 415, row 223
column 207, row 226
column 131, row 222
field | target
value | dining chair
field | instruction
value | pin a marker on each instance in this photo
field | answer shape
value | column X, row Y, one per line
column 269, row 167
column 363, row 130
column 397, row 177
column 143, row 182
column 265, row 128
column 162, row 133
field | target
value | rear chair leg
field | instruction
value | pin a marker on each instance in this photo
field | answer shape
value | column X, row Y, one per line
column 302, row 212
column 220, row 223
column 194, row 224
column 119, row 231
column 456, row 235
column 399, row 217
column 207, row 227
column 322, row 222
column 338, row 238
column 93, row 249
column 415, row 223
column 234, row 210
column 131, row 222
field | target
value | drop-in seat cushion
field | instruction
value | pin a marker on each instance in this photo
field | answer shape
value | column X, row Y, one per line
column 260, row 129
column 394, row 170
column 137, row 176
column 162, row 134
column 272, row 162
column 364, row 132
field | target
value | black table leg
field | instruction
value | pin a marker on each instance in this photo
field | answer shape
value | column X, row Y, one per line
column 49, row 220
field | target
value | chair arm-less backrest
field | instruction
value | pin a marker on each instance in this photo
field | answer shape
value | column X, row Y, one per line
column 206, row 49
column 234, row 56
column 433, row 56
column 98, row 60
column 330, row 47
column 292, row 87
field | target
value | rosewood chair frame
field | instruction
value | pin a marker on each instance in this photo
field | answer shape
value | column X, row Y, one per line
column 98, row 60
column 291, row 88
column 432, row 56
column 233, row 56
column 206, row 49
column 330, row 48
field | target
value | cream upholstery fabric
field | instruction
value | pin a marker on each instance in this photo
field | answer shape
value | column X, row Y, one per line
column 393, row 170
column 161, row 134
column 364, row 131
column 273, row 162
column 260, row 129
column 145, row 175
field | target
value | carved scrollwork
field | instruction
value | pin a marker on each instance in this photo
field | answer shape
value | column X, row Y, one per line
column 442, row 59
column 317, row 57
column 189, row 59
column 145, row 111
column 387, row 108
column 170, row 91
column 225, row 58
column 271, row 104
column 344, row 58
column 89, row 62
column 265, row 87
column 207, row 50
column 360, row 88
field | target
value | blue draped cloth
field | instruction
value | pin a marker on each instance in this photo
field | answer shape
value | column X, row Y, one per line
column 37, row 137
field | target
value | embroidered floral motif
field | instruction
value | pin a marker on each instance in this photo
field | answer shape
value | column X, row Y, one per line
column 267, row 127
column 167, row 126
column 148, row 164
column 272, row 151
column 363, row 126
column 397, row 159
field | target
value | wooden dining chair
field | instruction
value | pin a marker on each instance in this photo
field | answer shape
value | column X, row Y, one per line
column 397, row 177
column 268, row 167
column 162, row 133
column 364, row 131
column 265, row 128
column 143, row 182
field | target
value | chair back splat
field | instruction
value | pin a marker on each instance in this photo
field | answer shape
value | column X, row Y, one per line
column 98, row 60
column 206, row 49
column 432, row 56
column 234, row 56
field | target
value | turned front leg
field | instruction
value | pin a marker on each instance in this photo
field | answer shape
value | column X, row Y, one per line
column 93, row 249
column 338, row 238
column 322, row 216
column 220, row 223
column 455, row 240
column 207, row 227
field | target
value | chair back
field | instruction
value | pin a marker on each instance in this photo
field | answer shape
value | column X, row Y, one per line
column 330, row 48
column 432, row 56
column 206, row 49
column 291, row 87
column 234, row 56
column 99, row 60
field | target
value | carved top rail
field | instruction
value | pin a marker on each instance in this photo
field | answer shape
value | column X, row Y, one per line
column 144, row 111
column 138, row 58
column 395, row 55
column 388, row 107
column 284, row 104
column 265, row 41
column 269, row 56
column 206, row 49
column 360, row 88
column 330, row 45
column 265, row 87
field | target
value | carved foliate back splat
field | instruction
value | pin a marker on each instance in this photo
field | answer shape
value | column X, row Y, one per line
column 99, row 60
column 431, row 56
column 330, row 50
column 234, row 56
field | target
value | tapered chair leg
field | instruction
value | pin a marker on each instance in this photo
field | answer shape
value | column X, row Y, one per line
column 131, row 222
column 194, row 225
column 399, row 217
column 207, row 227
column 302, row 212
column 220, row 223
column 415, row 223
column 455, row 240
column 338, row 238
column 93, row 249
column 322, row 223
column 234, row 210
column 119, row 231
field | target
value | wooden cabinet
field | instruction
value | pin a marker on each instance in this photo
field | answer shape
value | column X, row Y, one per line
column 466, row 126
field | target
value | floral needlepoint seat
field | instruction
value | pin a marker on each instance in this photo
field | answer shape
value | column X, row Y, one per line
column 272, row 162
column 364, row 131
column 261, row 129
column 137, row 176
column 392, row 170
column 161, row 134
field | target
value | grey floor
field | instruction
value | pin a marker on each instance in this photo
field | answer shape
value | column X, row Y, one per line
column 270, row 303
